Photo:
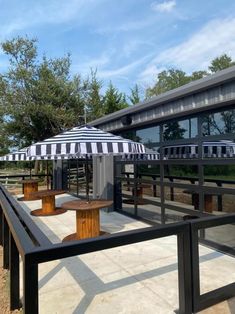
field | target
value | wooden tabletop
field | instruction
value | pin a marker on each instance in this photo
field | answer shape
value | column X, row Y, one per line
column 44, row 193
column 29, row 180
column 86, row 205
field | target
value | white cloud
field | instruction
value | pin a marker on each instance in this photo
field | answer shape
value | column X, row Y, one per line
column 148, row 76
column 52, row 12
column 215, row 38
column 122, row 71
column 93, row 63
column 165, row 6
column 127, row 26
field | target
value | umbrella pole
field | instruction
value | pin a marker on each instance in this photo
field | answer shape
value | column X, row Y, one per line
column 47, row 175
column 30, row 169
column 87, row 179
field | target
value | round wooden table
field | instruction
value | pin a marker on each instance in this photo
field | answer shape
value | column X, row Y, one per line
column 48, row 203
column 87, row 218
column 29, row 186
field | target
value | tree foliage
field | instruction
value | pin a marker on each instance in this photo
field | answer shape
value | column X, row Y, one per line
column 221, row 63
column 94, row 100
column 135, row 97
column 40, row 98
column 173, row 78
column 114, row 100
column 173, row 131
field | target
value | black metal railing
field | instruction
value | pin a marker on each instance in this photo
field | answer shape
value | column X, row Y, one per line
column 202, row 301
column 156, row 177
column 20, row 235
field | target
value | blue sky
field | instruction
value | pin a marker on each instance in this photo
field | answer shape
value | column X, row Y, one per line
column 128, row 41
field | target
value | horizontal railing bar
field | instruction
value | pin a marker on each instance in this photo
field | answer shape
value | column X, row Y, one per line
column 205, row 189
column 217, row 246
column 212, row 221
column 213, row 297
column 185, row 210
column 24, row 175
column 63, row 250
column 22, row 239
column 186, row 178
column 36, row 232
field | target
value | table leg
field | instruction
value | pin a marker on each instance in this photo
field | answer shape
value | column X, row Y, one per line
column 88, row 223
column 208, row 201
column 48, row 207
column 48, row 204
column 29, row 188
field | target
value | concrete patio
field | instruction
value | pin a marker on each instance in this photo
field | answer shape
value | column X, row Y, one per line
column 138, row 278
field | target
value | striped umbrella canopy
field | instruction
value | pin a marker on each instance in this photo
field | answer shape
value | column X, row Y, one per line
column 20, row 155
column 85, row 141
column 217, row 149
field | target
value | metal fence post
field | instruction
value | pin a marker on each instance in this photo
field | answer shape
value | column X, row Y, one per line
column 1, row 225
column 5, row 244
column 14, row 276
column 185, row 272
column 30, row 287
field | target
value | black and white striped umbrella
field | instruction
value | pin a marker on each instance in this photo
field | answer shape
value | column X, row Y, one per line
column 85, row 141
column 20, row 155
column 219, row 149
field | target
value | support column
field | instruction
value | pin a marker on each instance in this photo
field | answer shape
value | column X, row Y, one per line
column 103, row 179
column 185, row 282
column 5, row 244
column 1, row 225
column 30, row 288
column 14, row 276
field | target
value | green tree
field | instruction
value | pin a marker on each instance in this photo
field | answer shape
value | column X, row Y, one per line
column 40, row 98
column 173, row 131
column 94, row 99
column 168, row 80
column 196, row 75
column 114, row 100
column 220, row 63
column 135, row 95
column 173, row 78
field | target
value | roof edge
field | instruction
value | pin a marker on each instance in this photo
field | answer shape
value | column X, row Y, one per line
column 184, row 90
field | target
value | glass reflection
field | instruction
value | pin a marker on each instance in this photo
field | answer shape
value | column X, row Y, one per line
column 149, row 137
column 219, row 123
column 180, row 129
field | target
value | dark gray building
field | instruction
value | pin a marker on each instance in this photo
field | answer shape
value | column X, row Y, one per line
column 193, row 130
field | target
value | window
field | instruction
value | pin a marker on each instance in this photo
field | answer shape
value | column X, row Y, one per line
column 149, row 137
column 180, row 129
column 219, row 123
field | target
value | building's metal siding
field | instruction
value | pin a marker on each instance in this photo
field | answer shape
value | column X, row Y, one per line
column 216, row 95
